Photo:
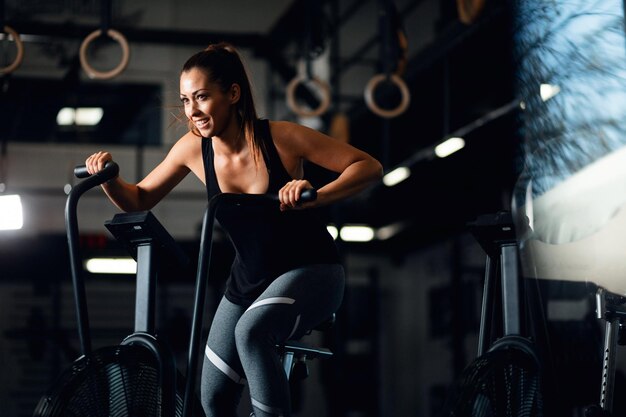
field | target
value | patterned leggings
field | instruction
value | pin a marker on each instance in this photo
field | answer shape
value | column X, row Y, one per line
column 241, row 342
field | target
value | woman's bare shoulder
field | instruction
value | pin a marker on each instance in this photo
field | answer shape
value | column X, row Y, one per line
column 187, row 145
column 282, row 127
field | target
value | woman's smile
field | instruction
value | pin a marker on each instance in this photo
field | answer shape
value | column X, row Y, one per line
column 202, row 124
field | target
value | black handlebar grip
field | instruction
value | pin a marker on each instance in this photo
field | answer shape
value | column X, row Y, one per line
column 110, row 170
column 81, row 171
column 308, row 195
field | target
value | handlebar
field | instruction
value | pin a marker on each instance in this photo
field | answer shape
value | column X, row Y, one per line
column 306, row 196
column 243, row 198
column 80, row 171
column 110, row 171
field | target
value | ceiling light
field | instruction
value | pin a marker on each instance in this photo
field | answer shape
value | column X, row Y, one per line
column 389, row 231
column 547, row 91
column 88, row 116
column 111, row 266
column 81, row 116
column 66, row 116
column 11, row 217
column 356, row 233
column 396, row 176
column 449, row 147
column 333, row 231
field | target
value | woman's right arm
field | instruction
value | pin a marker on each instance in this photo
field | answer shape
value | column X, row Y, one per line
column 156, row 185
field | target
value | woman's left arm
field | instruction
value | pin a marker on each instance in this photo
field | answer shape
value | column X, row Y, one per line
column 356, row 168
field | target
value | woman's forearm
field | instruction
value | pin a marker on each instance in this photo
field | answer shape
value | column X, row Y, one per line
column 125, row 196
column 351, row 181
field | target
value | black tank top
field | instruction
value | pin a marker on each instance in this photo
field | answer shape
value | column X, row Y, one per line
column 267, row 242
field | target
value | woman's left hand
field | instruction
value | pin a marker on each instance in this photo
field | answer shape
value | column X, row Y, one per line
column 289, row 195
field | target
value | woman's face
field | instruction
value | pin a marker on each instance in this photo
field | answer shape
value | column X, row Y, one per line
column 209, row 109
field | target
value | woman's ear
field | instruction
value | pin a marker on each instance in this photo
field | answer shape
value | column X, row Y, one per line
column 235, row 93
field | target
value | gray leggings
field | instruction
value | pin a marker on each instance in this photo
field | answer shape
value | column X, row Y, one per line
column 241, row 342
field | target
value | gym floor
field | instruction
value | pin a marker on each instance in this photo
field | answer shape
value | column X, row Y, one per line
column 411, row 316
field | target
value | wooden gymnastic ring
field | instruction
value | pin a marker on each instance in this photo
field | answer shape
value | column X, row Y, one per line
column 92, row 72
column 20, row 51
column 291, row 96
column 469, row 10
column 371, row 102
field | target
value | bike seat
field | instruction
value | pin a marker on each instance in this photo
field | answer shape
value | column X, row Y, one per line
column 326, row 324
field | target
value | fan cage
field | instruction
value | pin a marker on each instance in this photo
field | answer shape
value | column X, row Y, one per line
column 503, row 382
column 115, row 381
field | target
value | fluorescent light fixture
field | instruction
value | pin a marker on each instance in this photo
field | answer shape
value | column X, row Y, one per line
column 333, row 231
column 547, row 91
column 356, row 233
column 449, row 147
column 389, row 231
column 88, row 116
column 11, row 217
column 66, row 116
column 81, row 116
column 396, row 176
column 111, row 266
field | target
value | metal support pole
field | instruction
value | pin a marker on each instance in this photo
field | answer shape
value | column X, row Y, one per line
column 484, row 331
column 611, row 329
column 288, row 363
column 510, row 289
column 146, row 290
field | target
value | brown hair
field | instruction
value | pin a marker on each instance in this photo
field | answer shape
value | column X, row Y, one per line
column 223, row 65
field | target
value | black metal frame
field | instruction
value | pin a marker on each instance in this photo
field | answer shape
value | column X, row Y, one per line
column 144, row 237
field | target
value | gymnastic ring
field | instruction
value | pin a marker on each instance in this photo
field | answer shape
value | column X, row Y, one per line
column 291, row 96
column 92, row 72
column 371, row 103
column 20, row 51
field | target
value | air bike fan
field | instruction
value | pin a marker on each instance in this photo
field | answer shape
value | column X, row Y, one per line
column 504, row 380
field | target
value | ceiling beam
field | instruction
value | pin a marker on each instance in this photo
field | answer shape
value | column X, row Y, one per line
column 144, row 35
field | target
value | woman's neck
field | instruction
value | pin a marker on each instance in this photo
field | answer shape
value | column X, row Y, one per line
column 229, row 145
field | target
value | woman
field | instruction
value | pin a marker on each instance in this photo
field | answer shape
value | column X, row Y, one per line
column 280, row 284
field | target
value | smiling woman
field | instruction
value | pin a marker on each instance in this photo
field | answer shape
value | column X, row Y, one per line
column 287, row 276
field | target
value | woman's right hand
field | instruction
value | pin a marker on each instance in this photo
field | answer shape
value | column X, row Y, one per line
column 95, row 162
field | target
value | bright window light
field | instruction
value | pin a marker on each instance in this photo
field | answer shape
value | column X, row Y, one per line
column 396, row 176
column 333, row 231
column 449, row 147
column 547, row 91
column 111, row 266
column 81, row 116
column 356, row 233
column 11, row 217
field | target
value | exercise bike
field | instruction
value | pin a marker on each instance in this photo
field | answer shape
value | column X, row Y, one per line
column 139, row 377
column 293, row 353
column 505, row 379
